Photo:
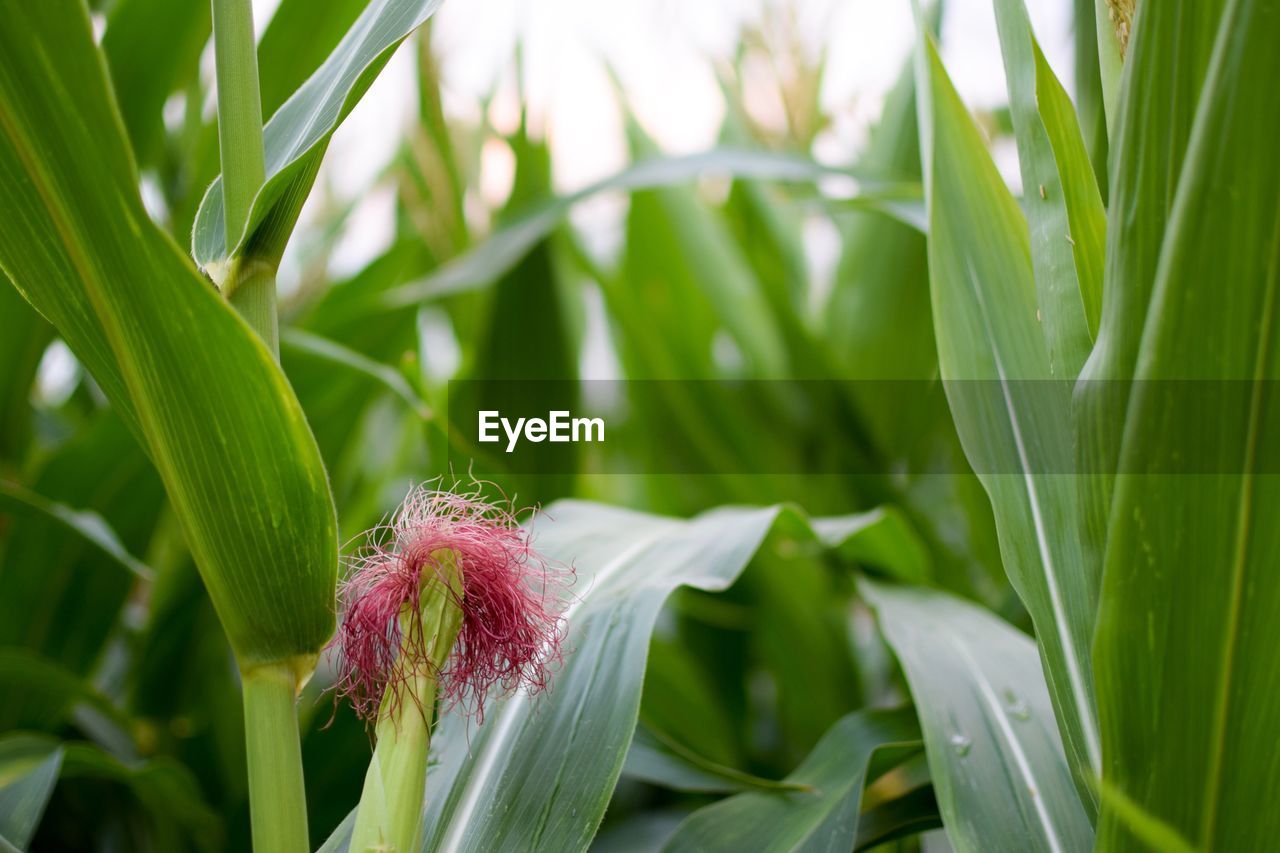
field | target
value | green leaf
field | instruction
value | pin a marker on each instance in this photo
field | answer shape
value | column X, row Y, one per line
column 1014, row 428
column 23, row 338
column 660, row 760
column 999, row 772
column 152, row 48
column 297, row 40
column 298, row 133
column 166, row 792
column 1086, row 214
column 1186, row 637
column 42, row 694
column 87, row 525
column 879, row 326
column 28, row 771
column 487, row 261
column 822, row 817
column 219, row 420
column 717, row 267
column 1088, row 77
column 881, row 538
column 539, row 774
column 527, row 333
column 910, row 814
column 1067, row 293
column 335, row 354
column 63, row 595
column 1164, row 71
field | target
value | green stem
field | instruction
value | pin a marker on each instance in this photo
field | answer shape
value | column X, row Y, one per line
column 277, row 803
column 239, row 112
column 251, row 290
column 251, row 287
column 389, row 817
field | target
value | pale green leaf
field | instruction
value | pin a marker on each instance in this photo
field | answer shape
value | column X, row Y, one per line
column 824, row 816
column 999, row 771
column 1067, row 319
column 539, row 774
column 502, row 251
column 28, row 771
column 1015, row 427
column 297, row 135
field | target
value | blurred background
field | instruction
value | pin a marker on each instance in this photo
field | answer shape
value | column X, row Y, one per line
column 414, row 265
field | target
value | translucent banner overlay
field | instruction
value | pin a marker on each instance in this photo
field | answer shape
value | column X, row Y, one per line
column 858, row 427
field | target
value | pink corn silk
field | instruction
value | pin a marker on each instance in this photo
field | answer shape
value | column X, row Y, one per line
column 512, row 599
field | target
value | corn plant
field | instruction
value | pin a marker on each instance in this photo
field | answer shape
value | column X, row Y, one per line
column 998, row 565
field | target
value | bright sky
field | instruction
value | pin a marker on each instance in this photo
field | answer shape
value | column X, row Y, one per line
column 663, row 51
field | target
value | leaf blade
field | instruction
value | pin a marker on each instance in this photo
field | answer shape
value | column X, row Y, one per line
column 297, row 135
column 1013, row 419
column 218, row 417
column 999, row 770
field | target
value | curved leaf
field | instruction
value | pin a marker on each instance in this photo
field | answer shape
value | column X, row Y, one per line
column 539, row 774
column 488, row 261
column 333, row 353
column 296, row 136
column 42, row 694
column 87, row 525
column 1014, row 427
column 219, row 420
column 822, row 818
column 28, row 771
column 996, row 758
column 661, row 760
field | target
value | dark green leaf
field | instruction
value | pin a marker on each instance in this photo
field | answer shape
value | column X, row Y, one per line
column 152, row 48
column 1186, row 662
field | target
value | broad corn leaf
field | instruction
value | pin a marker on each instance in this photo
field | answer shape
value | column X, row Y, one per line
column 1014, row 425
column 1188, row 679
column 996, row 759
column 1165, row 65
column 216, row 414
